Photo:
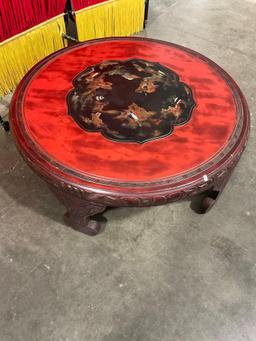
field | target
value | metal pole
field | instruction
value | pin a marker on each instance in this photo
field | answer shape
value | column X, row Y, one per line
column 146, row 12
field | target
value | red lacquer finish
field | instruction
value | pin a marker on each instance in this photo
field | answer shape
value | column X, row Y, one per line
column 212, row 124
column 186, row 160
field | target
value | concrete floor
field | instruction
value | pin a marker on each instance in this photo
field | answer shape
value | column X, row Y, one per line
column 161, row 273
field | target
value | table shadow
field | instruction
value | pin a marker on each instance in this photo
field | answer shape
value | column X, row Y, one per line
column 19, row 185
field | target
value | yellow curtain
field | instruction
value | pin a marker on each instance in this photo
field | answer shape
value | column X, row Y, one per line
column 19, row 53
column 110, row 18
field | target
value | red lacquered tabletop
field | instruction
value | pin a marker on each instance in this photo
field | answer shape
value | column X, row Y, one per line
column 130, row 113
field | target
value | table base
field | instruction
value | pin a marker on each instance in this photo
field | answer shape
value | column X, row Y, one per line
column 81, row 211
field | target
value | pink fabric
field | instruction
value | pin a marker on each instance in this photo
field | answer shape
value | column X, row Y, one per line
column 17, row 16
column 79, row 4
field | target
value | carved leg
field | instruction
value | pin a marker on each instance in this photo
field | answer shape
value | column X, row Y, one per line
column 209, row 198
column 208, row 201
column 79, row 212
column 79, row 218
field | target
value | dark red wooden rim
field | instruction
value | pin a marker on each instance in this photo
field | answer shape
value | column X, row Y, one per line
column 54, row 171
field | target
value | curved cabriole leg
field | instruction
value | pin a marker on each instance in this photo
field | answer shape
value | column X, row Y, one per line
column 79, row 212
column 208, row 201
column 79, row 218
column 209, row 198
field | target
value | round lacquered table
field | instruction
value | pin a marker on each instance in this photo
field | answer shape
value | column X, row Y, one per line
column 129, row 122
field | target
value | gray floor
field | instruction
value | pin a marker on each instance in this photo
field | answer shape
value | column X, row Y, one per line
column 161, row 273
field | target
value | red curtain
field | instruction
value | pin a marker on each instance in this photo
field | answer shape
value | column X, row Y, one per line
column 19, row 15
column 79, row 4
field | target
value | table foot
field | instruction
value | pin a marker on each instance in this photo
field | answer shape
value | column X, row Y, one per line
column 210, row 197
column 82, row 223
column 79, row 212
column 208, row 201
column 79, row 216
